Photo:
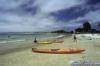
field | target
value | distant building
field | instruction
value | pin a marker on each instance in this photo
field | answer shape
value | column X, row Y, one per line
column 86, row 28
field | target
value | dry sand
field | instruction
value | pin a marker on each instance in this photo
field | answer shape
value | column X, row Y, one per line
column 26, row 57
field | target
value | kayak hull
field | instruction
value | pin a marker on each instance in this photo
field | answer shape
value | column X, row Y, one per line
column 58, row 41
column 44, row 43
column 58, row 51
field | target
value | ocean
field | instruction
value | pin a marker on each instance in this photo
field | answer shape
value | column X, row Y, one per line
column 9, row 41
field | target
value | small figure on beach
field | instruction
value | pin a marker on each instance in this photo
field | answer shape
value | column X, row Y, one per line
column 75, row 38
column 35, row 41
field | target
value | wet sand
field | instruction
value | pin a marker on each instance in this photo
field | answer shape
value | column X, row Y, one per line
column 25, row 57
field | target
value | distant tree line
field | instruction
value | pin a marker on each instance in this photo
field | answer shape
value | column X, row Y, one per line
column 59, row 31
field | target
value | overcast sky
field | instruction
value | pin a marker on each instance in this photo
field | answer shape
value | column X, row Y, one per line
column 47, row 15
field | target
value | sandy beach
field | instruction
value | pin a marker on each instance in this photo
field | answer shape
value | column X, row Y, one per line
column 25, row 57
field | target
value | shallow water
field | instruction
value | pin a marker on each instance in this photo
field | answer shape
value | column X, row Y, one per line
column 11, row 41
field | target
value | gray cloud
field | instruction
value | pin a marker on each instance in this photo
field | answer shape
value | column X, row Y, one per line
column 33, row 15
column 55, row 5
column 15, row 14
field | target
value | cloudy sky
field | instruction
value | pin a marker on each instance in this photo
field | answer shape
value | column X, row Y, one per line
column 47, row 15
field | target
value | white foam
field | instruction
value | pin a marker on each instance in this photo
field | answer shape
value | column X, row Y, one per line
column 60, row 36
column 12, row 41
column 88, row 36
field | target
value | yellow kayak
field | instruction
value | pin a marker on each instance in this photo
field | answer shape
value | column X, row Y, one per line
column 50, row 41
column 44, row 42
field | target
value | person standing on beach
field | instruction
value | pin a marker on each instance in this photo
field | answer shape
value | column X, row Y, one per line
column 74, row 37
column 35, row 41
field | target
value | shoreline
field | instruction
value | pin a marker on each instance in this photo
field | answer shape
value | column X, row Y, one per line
column 24, row 46
column 24, row 56
column 29, row 44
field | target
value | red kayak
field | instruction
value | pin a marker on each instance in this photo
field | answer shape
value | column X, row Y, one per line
column 58, row 51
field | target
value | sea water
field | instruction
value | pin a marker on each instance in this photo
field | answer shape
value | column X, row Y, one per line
column 13, row 40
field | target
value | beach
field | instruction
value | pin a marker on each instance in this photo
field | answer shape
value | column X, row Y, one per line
column 25, row 57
